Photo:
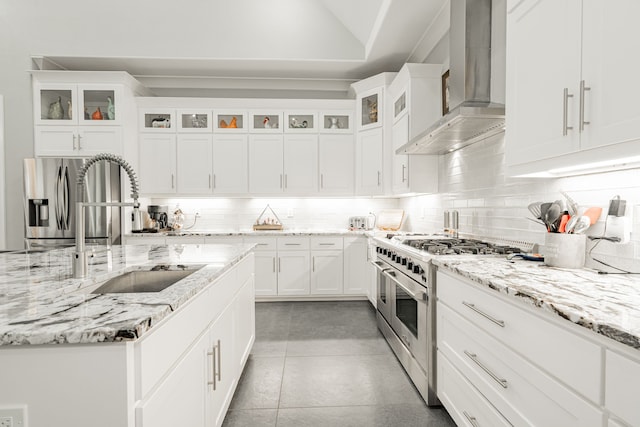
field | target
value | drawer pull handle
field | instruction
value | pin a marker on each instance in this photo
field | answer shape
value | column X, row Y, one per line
column 292, row 244
column 483, row 314
column 497, row 379
column 327, row 244
column 471, row 418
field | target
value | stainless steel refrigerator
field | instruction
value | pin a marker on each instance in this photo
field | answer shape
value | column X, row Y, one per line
column 50, row 193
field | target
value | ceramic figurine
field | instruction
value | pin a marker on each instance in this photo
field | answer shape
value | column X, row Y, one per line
column 266, row 123
column 97, row 115
column 86, row 114
column 233, row 123
column 223, row 124
column 111, row 109
column 333, row 123
column 55, row 110
column 69, row 110
column 373, row 111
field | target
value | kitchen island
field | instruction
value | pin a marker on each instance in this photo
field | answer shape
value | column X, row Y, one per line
column 171, row 357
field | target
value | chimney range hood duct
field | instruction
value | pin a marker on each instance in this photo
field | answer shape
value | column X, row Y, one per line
column 474, row 117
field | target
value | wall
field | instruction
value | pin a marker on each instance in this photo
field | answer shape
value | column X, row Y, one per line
column 240, row 214
column 493, row 205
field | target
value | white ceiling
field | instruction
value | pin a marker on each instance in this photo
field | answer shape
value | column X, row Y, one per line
column 320, row 44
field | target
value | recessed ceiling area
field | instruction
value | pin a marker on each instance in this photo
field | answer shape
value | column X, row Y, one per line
column 215, row 46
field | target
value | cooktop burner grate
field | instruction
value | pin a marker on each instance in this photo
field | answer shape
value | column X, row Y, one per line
column 459, row 246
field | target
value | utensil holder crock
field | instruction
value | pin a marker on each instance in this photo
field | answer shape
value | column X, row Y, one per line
column 565, row 250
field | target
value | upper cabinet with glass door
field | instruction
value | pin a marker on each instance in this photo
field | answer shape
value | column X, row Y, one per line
column 230, row 121
column 370, row 109
column 73, row 104
column 336, row 121
column 301, row 122
column 266, row 122
column 157, row 120
column 194, row 121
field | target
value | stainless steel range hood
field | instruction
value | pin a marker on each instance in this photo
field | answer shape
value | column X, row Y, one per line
column 474, row 116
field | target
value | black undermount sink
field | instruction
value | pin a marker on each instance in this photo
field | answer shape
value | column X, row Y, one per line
column 154, row 280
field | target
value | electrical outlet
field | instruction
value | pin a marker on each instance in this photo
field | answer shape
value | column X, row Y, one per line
column 12, row 417
column 290, row 213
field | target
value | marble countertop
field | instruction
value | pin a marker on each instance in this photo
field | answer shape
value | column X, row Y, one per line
column 608, row 304
column 40, row 302
column 250, row 232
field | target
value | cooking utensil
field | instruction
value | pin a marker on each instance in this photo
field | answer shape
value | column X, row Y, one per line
column 564, row 219
column 552, row 217
column 544, row 207
column 571, row 224
column 534, row 208
column 593, row 213
column 582, row 224
column 572, row 206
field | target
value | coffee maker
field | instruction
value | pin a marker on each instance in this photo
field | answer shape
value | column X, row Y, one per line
column 159, row 214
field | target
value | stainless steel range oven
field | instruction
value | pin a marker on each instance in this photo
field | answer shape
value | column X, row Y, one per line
column 406, row 294
column 405, row 303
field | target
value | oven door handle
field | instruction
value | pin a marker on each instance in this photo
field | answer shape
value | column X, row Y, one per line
column 418, row 296
column 379, row 266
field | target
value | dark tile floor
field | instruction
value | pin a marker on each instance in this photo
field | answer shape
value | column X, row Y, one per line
column 325, row 364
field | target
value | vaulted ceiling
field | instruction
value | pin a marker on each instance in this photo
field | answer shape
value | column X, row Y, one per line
column 324, row 44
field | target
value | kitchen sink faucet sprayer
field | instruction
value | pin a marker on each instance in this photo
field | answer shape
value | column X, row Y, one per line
column 80, row 257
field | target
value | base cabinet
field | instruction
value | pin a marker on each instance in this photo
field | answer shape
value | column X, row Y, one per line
column 293, row 273
column 357, row 279
column 326, row 273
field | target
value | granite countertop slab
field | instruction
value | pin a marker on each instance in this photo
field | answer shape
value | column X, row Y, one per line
column 40, row 302
column 249, row 233
column 608, row 304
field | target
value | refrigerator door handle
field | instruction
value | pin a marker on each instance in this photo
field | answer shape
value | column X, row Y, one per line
column 65, row 199
column 56, row 203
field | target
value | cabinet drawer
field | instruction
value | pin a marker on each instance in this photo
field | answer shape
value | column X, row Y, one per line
column 263, row 243
column 185, row 240
column 524, row 394
column 328, row 243
column 562, row 353
column 463, row 402
column 293, row 243
column 622, row 387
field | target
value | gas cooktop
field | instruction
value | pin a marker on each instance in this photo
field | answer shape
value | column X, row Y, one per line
column 453, row 246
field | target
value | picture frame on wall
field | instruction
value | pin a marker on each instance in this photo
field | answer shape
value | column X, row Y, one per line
column 445, row 92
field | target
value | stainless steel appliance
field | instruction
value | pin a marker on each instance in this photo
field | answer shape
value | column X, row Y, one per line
column 365, row 222
column 50, row 190
column 406, row 299
column 159, row 213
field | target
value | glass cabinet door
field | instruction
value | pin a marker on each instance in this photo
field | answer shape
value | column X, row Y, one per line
column 194, row 121
column 336, row 122
column 56, row 103
column 99, row 105
column 157, row 120
column 370, row 109
column 301, row 122
column 230, row 121
column 267, row 122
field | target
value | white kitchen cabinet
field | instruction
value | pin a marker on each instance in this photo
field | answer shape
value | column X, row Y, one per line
column 531, row 370
column 300, row 121
column 569, row 93
column 369, row 162
column 184, row 388
column 412, row 173
column 230, row 164
column 266, row 164
column 300, row 168
column 356, row 266
column 370, row 108
column 245, row 323
column 77, row 141
column 294, row 265
column 327, row 265
column 185, row 240
column 326, row 273
column 415, row 98
column 157, row 154
column 336, row 121
column 230, row 121
column 622, row 386
column 194, row 163
column 266, row 121
column 266, row 274
column 293, row 273
column 335, row 163
column 221, row 381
